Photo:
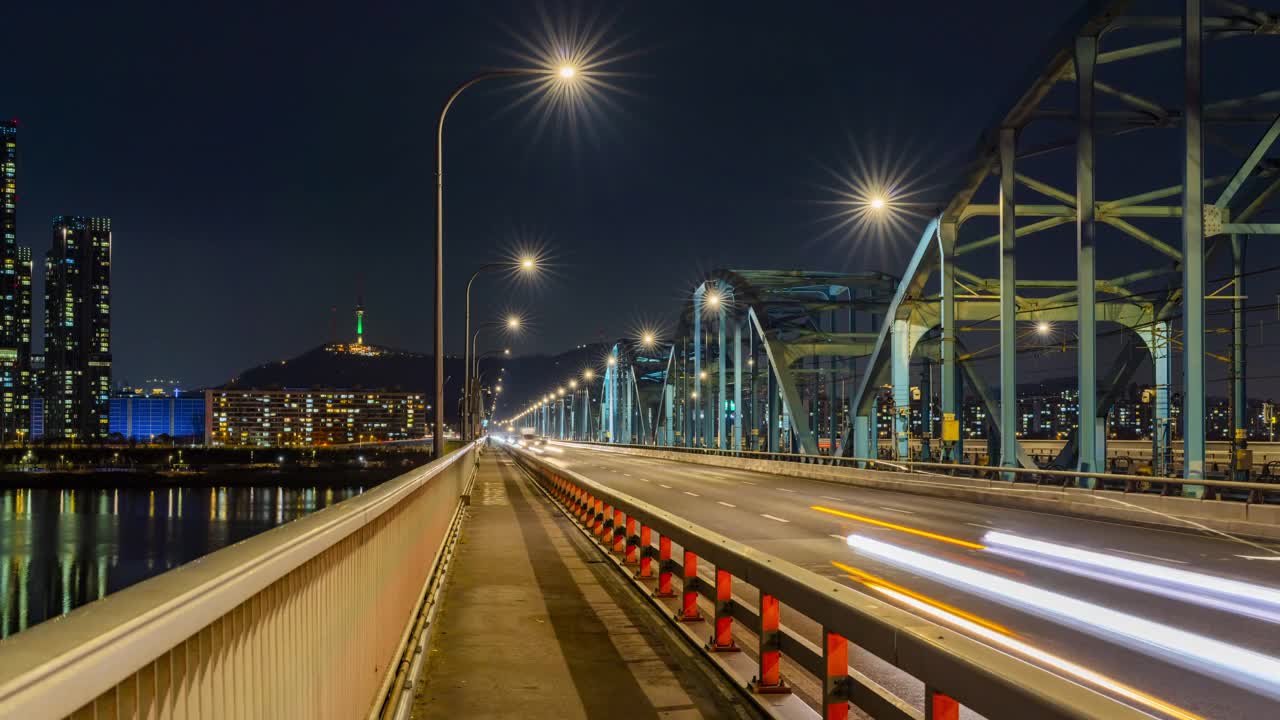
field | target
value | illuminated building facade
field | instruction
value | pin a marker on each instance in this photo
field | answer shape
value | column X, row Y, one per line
column 148, row 419
column 306, row 418
column 77, row 322
column 15, row 299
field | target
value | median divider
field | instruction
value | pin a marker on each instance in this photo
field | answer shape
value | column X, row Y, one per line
column 955, row 669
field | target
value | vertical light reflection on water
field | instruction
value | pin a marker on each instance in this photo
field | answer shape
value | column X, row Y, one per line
column 63, row 547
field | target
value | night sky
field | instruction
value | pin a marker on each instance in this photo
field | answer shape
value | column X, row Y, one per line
column 261, row 165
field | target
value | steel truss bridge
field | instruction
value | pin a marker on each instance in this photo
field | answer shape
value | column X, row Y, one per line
column 793, row 361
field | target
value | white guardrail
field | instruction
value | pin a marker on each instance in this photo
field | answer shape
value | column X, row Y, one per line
column 306, row 620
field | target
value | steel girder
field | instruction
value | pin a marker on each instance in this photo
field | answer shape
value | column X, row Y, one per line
column 754, row 368
column 1014, row 148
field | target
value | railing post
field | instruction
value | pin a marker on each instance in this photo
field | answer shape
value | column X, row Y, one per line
column 722, row 641
column 664, row 568
column 770, row 677
column 605, row 522
column 633, row 543
column 689, row 600
column 939, row 707
column 646, row 549
column 835, row 681
column 619, row 532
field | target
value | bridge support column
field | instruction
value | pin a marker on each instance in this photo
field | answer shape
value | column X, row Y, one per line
column 722, row 358
column 737, row 385
column 696, row 399
column 1086, row 54
column 904, row 336
column 1239, row 397
column 926, row 411
column 864, row 436
column 774, row 406
column 1008, row 304
column 668, row 402
column 1193, row 323
column 952, row 408
column 1157, row 337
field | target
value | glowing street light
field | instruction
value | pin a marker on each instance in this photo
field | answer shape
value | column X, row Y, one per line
column 878, row 203
column 1043, row 327
column 648, row 339
column 612, row 361
column 713, row 298
column 438, row 427
column 588, row 374
column 573, row 384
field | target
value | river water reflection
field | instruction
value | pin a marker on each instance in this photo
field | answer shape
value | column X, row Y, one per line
column 63, row 548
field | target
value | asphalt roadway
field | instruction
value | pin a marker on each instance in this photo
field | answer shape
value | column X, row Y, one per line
column 777, row 515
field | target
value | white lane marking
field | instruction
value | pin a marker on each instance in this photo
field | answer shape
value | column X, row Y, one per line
column 747, row 482
column 644, row 479
column 686, row 492
column 771, row 517
column 721, row 502
column 786, row 490
column 1272, row 558
column 665, row 486
column 897, row 510
column 716, row 475
column 828, row 497
column 841, row 538
column 1152, row 557
column 626, row 474
column 983, row 526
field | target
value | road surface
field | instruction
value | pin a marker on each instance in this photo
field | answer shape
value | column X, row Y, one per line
column 779, row 515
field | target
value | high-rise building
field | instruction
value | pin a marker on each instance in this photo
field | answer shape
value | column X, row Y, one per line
column 77, row 329
column 15, row 299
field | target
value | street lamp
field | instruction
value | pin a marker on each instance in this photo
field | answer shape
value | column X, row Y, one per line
column 512, row 323
column 437, row 435
column 525, row 264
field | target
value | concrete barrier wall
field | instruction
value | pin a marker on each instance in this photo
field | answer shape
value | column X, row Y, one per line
column 1236, row 518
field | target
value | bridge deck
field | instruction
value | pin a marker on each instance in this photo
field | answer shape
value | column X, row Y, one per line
column 533, row 626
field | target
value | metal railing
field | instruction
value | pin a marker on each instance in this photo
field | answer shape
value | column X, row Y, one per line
column 956, row 670
column 306, row 620
column 1253, row 492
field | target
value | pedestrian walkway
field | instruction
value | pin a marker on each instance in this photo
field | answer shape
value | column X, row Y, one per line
column 535, row 625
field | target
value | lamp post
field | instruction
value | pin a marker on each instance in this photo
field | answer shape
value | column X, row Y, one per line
column 566, row 73
column 526, row 264
column 512, row 323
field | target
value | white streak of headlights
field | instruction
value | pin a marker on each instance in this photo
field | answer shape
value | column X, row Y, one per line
column 1185, row 578
column 1192, row 651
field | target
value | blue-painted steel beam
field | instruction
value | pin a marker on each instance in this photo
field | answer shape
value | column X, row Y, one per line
column 1008, row 303
column 1086, row 55
column 1193, row 280
column 952, row 408
column 737, row 384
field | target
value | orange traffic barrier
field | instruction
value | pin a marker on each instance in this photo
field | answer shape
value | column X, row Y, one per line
column 646, row 562
column 664, row 568
column 689, row 602
column 835, row 694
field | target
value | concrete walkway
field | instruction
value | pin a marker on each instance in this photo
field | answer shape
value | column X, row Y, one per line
column 535, row 625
